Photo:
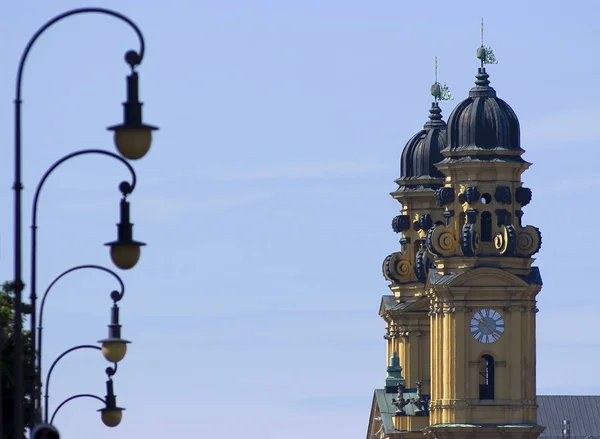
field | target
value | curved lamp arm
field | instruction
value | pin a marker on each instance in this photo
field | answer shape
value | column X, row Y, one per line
column 114, row 295
column 68, row 14
column 82, row 395
column 110, row 371
column 125, row 187
column 133, row 59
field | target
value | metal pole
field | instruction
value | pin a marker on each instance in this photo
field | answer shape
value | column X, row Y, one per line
column 18, row 285
column 114, row 295
column 2, row 338
column 37, row 365
column 18, row 187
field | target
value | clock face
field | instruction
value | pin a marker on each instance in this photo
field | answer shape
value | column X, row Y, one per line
column 487, row 326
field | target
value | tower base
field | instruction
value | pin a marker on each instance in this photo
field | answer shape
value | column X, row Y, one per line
column 487, row 431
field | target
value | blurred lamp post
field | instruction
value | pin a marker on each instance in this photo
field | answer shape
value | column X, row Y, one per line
column 132, row 139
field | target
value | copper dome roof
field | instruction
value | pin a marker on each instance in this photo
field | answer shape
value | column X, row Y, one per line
column 422, row 151
column 483, row 125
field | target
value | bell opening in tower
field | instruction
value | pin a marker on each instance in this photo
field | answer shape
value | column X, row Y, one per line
column 486, row 377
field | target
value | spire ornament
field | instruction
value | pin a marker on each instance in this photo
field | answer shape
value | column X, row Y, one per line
column 394, row 379
column 485, row 53
column 438, row 91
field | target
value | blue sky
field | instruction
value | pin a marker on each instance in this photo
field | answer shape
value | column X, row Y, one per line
column 264, row 199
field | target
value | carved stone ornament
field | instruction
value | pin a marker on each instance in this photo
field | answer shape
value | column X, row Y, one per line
column 523, row 196
column 443, row 196
column 422, row 265
column 441, row 241
column 397, row 268
column 502, row 195
column 469, row 242
column 425, row 221
column 505, row 241
column 400, row 402
column 529, row 241
column 471, row 194
column 502, row 216
column 401, row 223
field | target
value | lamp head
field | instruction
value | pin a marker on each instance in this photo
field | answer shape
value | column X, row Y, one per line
column 125, row 251
column 114, row 347
column 111, row 417
column 111, row 414
column 133, row 137
column 125, row 254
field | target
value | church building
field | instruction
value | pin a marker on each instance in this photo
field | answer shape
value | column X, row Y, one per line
column 461, row 316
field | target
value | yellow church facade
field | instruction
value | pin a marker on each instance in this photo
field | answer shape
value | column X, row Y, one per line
column 460, row 322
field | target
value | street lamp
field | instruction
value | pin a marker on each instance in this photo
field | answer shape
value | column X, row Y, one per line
column 133, row 139
column 114, row 347
column 111, row 414
column 125, row 188
column 114, row 354
column 125, row 251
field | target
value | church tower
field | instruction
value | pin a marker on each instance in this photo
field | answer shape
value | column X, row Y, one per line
column 482, row 287
column 406, row 310
column 460, row 324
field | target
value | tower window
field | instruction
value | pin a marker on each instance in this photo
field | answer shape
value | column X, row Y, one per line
column 486, row 226
column 486, row 377
column 486, row 198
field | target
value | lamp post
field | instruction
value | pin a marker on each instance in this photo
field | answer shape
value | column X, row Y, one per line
column 113, row 352
column 111, row 413
column 132, row 139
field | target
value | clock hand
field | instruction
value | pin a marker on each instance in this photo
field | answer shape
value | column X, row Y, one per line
column 493, row 331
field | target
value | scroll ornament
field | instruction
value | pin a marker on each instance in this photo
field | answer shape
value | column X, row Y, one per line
column 528, row 241
column 505, row 241
column 444, row 195
column 471, row 194
column 422, row 265
column 441, row 241
column 397, row 268
column 503, row 195
column 523, row 196
column 401, row 223
column 470, row 240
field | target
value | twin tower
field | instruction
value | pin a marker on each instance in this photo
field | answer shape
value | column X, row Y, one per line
column 460, row 324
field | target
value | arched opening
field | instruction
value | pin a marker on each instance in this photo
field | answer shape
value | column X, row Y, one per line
column 486, row 226
column 486, row 377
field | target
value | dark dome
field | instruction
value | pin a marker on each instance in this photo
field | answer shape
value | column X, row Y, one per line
column 422, row 151
column 483, row 124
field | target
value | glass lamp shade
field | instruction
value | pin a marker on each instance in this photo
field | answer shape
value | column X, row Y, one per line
column 133, row 142
column 125, row 255
column 111, row 417
column 114, row 350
